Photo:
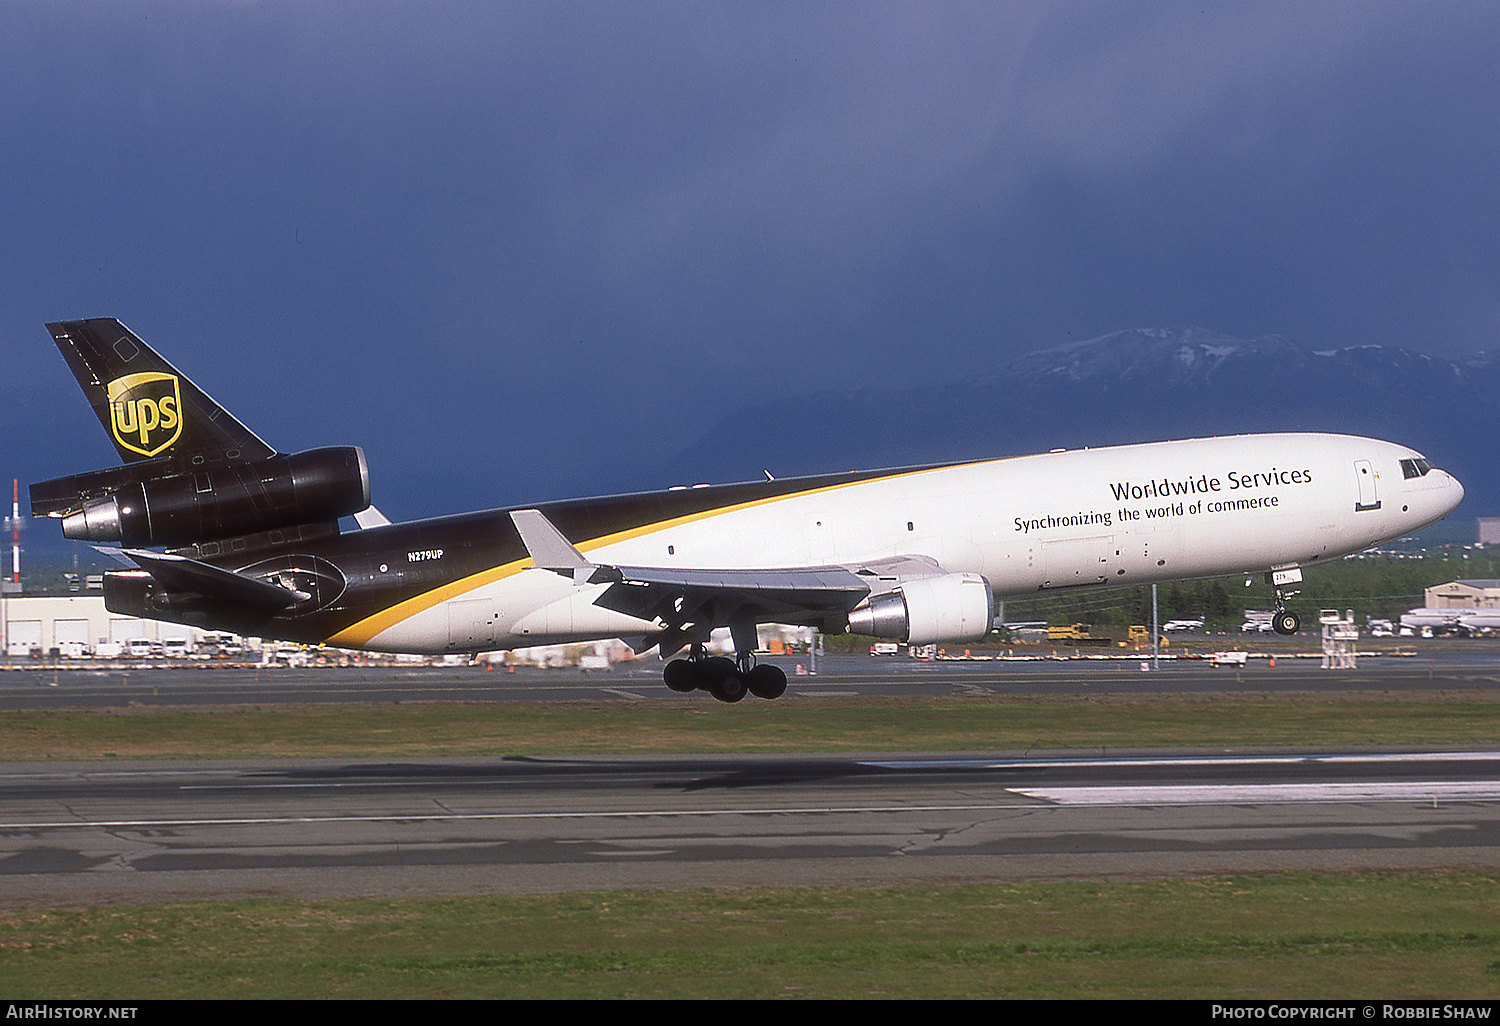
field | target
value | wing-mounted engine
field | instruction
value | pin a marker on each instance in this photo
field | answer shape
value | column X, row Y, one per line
column 173, row 503
column 926, row 610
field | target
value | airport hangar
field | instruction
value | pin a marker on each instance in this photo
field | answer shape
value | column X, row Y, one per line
column 1474, row 593
column 48, row 622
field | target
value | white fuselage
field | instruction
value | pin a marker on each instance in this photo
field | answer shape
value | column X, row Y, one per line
column 1467, row 618
column 1082, row 518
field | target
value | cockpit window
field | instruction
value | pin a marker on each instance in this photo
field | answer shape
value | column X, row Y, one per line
column 1415, row 468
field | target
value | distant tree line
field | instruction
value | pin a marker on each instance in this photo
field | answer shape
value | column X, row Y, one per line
column 1381, row 585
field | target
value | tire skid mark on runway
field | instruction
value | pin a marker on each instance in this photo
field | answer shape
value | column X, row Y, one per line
column 1291, row 759
column 1267, row 794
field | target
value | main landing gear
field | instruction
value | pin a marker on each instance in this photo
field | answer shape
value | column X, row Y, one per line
column 728, row 680
column 1285, row 621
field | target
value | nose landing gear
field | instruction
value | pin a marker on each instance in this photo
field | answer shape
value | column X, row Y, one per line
column 1285, row 621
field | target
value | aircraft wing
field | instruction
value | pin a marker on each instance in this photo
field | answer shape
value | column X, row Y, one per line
column 691, row 602
column 694, row 596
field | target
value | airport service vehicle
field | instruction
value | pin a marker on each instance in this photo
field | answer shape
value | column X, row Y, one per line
column 227, row 533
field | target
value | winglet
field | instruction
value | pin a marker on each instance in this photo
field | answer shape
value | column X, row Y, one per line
column 547, row 546
column 371, row 517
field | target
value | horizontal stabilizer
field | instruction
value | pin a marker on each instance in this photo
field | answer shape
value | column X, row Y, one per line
column 180, row 573
column 115, row 553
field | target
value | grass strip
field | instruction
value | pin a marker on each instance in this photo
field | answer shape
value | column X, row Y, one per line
column 1283, row 936
column 705, row 727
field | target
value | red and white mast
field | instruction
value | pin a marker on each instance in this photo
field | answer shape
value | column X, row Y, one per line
column 15, row 529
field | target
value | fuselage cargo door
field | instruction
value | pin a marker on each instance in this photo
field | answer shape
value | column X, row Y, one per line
column 471, row 624
column 1369, row 497
column 820, row 538
column 1075, row 562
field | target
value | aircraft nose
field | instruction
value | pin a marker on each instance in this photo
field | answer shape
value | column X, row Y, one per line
column 1455, row 492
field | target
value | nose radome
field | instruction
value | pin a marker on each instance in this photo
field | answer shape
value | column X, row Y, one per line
column 1456, row 490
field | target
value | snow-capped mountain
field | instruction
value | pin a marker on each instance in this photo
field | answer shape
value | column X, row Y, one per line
column 1132, row 386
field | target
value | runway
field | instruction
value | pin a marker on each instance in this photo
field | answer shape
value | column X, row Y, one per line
column 122, row 833
column 841, row 676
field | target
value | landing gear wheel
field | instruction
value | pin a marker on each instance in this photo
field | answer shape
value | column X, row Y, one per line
column 683, row 675
column 766, row 681
column 722, row 679
column 728, row 688
column 1286, row 622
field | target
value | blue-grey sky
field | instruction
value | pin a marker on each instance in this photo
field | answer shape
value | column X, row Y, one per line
column 516, row 250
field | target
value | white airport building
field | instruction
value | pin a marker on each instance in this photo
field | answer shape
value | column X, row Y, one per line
column 1489, row 530
column 79, row 625
column 44, row 623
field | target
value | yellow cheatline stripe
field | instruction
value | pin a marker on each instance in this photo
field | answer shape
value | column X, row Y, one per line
column 690, row 518
column 358, row 634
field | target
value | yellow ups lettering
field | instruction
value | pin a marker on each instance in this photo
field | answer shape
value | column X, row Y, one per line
column 149, row 417
column 124, row 418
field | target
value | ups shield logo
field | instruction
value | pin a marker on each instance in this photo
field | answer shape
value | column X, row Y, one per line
column 145, row 411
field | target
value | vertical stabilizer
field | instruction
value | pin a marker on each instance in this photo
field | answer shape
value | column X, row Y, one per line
column 149, row 409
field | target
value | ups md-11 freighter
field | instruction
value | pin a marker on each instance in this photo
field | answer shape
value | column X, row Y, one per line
column 229, row 534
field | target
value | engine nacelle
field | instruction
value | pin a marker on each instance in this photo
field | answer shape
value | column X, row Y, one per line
column 951, row 607
column 194, row 505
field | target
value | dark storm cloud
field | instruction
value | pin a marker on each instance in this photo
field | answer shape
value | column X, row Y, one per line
column 517, row 249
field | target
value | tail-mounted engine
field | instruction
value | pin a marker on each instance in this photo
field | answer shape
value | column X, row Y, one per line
column 165, row 503
column 926, row 610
